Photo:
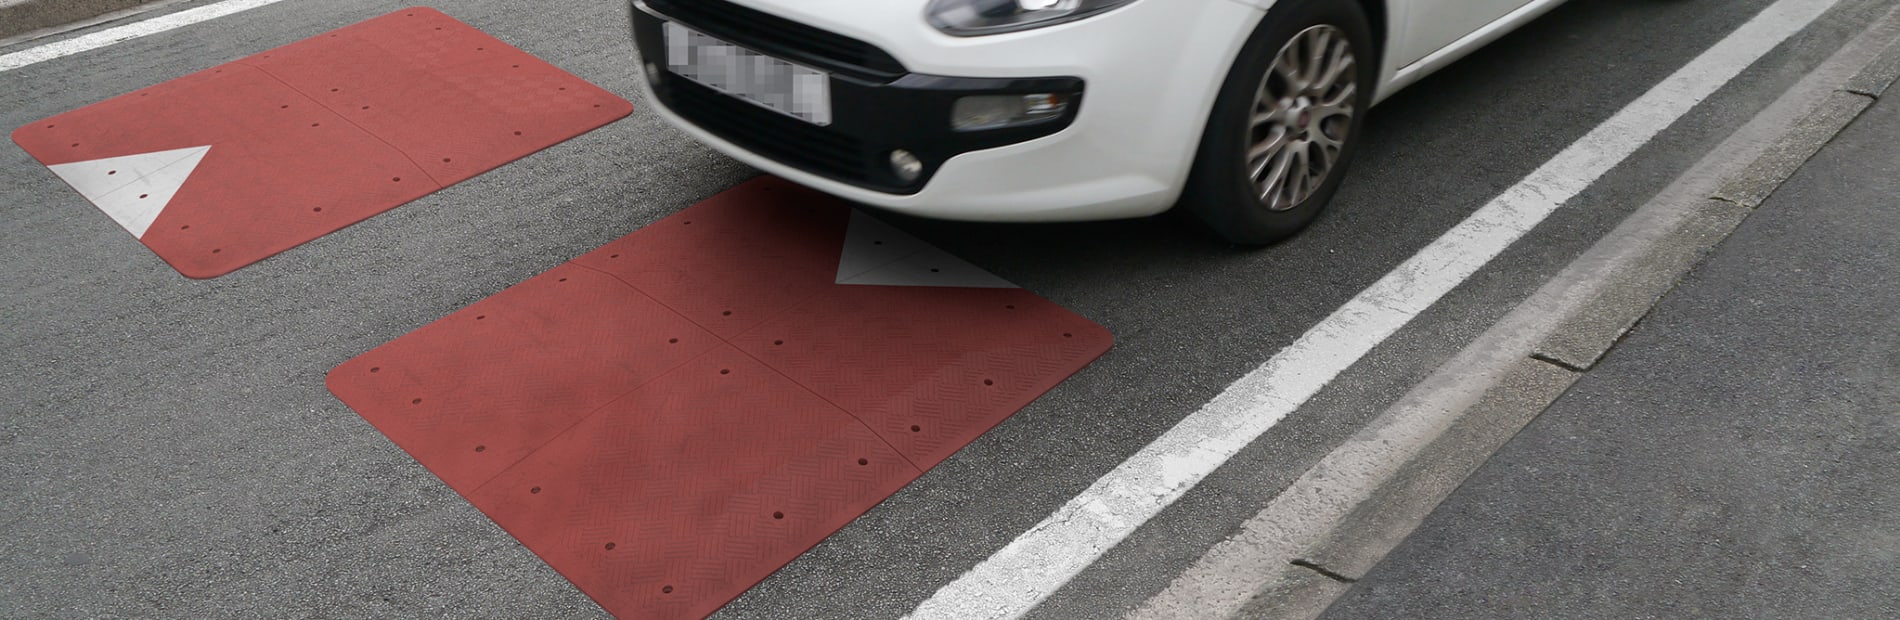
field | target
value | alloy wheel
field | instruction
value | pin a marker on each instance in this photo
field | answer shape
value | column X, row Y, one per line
column 1302, row 113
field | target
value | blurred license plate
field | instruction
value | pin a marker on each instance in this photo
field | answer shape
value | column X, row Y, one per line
column 769, row 82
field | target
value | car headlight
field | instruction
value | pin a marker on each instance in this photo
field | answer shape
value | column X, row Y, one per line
column 969, row 18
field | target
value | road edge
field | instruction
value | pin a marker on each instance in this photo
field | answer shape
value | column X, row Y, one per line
column 34, row 19
column 1450, row 424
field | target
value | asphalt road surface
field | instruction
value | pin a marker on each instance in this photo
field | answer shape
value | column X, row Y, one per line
column 171, row 450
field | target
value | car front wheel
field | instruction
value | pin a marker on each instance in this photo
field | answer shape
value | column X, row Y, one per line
column 1286, row 122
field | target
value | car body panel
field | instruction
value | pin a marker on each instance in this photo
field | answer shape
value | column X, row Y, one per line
column 1152, row 71
column 1436, row 24
column 1400, row 75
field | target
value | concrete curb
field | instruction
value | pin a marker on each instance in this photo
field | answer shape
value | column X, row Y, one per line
column 1468, row 409
column 1601, row 322
column 1881, row 74
column 20, row 17
column 1627, row 291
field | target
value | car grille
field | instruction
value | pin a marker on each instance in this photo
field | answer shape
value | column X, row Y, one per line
column 780, row 137
column 777, row 36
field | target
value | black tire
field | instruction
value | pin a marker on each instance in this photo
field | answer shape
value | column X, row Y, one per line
column 1221, row 190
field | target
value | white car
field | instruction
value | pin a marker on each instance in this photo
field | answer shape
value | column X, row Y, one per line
column 1246, row 111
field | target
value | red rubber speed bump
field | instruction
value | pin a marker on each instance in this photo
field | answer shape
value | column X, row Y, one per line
column 228, row 166
column 672, row 417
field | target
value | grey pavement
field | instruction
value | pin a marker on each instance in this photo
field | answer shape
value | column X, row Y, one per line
column 1737, row 455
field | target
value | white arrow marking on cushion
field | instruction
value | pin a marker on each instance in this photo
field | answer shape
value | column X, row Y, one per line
column 133, row 189
column 875, row 254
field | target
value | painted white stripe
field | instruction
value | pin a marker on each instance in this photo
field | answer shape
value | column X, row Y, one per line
column 98, row 177
column 877, row 254
column 1041, row 560
column 127, row 32
column 133, row 189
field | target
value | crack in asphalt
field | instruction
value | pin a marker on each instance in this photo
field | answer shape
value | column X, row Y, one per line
column 1315, row 567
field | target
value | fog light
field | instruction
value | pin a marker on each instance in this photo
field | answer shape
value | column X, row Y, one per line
column 653, row 73
column 906, row 166
column 998, row 111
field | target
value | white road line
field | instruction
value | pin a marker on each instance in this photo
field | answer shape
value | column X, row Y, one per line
column 1046, row 557
column 127, row 32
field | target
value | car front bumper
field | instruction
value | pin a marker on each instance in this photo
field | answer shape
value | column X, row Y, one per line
column 1140, row 81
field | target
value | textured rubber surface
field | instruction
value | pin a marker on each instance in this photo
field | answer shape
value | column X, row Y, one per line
column 311, row 137
column 672, row 417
